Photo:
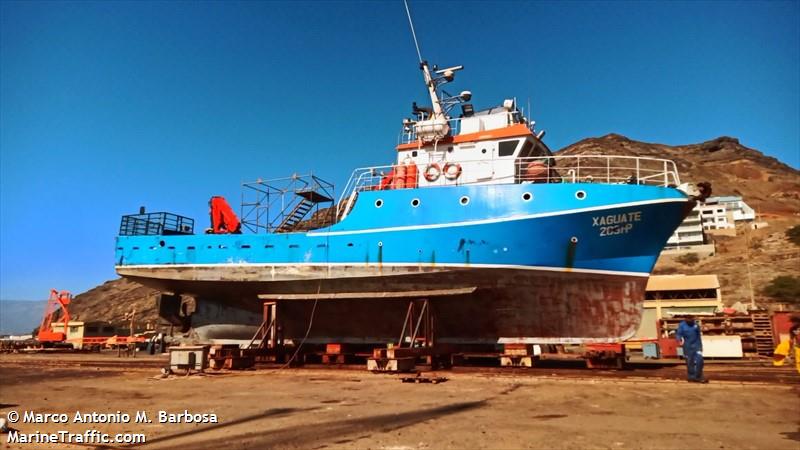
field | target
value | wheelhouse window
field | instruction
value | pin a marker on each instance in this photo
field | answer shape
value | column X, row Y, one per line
column 506, row 148
column 526, row 149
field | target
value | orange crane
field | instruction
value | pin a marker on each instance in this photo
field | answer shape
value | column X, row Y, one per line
column 223, row 219
column 58, row 301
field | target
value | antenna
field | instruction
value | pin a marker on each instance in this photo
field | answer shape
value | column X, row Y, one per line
column 413, row 33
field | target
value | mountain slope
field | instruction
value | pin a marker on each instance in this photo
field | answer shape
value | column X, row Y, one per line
column 113, row 299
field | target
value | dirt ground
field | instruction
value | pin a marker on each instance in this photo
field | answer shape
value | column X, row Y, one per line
column 328, row 408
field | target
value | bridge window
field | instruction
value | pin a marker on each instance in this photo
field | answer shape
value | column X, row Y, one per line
column 506, row 148
column 526, row 150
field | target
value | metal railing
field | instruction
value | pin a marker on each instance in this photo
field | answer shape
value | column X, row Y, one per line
column 159, row 223
column 606, row 169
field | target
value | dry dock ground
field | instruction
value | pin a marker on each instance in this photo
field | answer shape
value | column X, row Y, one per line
column 329, row 408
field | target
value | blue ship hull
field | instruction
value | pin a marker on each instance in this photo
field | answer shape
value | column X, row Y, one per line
column 552, row 262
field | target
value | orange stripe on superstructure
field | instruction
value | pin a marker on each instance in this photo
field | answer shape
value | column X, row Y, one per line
column 507, row 132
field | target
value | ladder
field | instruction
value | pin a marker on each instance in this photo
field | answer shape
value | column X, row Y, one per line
column 266, row 337
column 762, row 328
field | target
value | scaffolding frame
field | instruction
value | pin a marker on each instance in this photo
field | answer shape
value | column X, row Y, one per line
column 281, row 204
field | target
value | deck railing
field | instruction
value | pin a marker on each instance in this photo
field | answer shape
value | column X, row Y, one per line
column 159, row 223
column 605, row 169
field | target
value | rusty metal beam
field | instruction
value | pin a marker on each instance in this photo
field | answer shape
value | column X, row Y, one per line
column 370, row 295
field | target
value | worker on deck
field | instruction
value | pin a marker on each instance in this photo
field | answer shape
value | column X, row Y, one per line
column 690, row 338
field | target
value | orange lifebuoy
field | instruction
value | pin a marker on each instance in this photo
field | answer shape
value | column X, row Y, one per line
column 432, row 172
column 452, row 171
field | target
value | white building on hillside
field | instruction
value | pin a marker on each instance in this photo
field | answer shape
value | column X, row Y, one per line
column 740, row 209
column 717, row 213
column 715, row 216
column 689, row 232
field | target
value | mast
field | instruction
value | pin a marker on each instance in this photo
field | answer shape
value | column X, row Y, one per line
column 431, row 85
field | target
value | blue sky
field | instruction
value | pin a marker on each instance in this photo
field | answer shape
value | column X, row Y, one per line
column 107, row 106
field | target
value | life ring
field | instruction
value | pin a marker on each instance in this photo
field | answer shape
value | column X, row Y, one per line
column 449, row 171
column 432, row 172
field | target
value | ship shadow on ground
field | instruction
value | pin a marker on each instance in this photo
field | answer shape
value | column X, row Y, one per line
column 270, row 413
column 317, row 435
column 792, row 435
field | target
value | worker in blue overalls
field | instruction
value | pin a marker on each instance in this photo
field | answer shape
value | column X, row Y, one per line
column 688, row 335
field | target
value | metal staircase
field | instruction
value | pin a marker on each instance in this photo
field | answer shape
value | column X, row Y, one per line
column 293, row 218
column 762, row 328
column 308, row 198
column 284, row 205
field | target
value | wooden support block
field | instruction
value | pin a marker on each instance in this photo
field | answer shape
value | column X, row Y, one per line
column 333, row 358
column 333, row 349
column 391, row 364
column 517, row 349
column 516, row 361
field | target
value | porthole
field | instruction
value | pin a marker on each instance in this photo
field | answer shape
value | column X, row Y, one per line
column 378, row 203
column 527, row 196
column 415, row 202
column 162, row 243
column 573, row 239
column 464, row 201
column 483, row 150
column 580, row 195
column 380, row 243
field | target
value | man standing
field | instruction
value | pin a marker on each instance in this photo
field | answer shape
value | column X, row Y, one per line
column 688, row 335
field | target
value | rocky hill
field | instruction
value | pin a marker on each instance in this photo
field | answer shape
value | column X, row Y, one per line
column 113, row 299
column 766, row 184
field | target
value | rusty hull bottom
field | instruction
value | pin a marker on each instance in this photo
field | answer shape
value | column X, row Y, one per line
column 509, row 305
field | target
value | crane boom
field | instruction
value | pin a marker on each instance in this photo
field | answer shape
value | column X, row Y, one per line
column 57, row 301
